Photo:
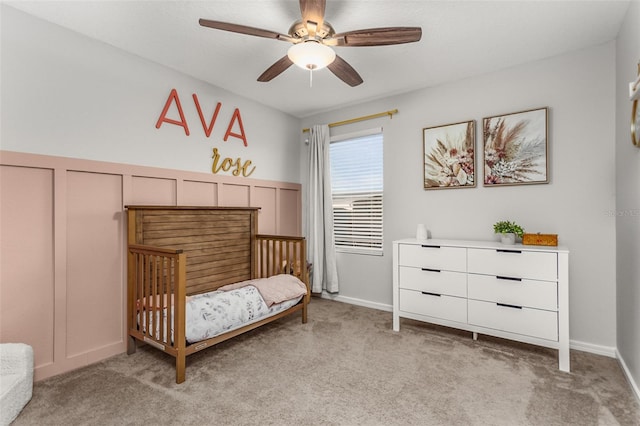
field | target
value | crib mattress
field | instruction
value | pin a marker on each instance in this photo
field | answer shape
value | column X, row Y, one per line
column 216, row 312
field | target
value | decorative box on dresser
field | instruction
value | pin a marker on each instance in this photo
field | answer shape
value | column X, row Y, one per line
column 516, row 292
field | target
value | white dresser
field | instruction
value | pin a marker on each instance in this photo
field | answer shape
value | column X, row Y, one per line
column 511, row 291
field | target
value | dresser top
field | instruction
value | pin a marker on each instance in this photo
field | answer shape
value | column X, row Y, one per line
column 497, row 245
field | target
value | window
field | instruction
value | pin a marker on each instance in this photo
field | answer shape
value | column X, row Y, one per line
column 356, row 187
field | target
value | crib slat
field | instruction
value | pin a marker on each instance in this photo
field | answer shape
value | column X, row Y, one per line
column 162, row 297
column 168, row 290
column 179, row 279
column 269, row 255
column 145, row 293
column 138, row 288
column 131, row 279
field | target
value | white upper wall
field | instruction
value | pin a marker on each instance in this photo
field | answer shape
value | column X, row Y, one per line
column 67, row 95
column 628, row 198
column 578, row 204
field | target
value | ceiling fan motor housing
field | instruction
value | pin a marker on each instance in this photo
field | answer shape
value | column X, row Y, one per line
column 299, row 30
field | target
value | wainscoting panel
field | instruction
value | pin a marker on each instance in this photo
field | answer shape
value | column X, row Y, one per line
column 233, row 195
column 199, row 193
column 63, row 245
column 94, row 264
column 152, row 191
column 290, row 212
column 26, row 259
column 266, row 198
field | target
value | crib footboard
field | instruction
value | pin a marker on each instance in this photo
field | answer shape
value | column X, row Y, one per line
column 156, row 301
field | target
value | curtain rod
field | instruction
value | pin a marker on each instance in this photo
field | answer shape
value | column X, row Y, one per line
column 363, row 118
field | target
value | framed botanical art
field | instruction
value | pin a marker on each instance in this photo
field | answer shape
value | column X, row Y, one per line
column 516, row 148
column 449, row 156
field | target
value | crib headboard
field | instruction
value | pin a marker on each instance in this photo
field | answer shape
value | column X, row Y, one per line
column 219, row 241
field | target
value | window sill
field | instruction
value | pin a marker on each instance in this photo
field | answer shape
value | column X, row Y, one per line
column 361, row 251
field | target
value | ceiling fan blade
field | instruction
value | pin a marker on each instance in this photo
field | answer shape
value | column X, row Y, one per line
column 379, row 36
column 312, row 14
column 345, row 72
column 243, row 29
column 276, row 69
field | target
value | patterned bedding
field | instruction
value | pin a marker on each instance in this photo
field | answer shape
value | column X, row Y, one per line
column 217, row 312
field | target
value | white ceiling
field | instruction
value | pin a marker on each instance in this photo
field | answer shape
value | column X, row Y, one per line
column 459, row 39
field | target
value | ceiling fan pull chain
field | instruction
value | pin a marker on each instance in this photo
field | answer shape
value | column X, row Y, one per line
column 310, row 78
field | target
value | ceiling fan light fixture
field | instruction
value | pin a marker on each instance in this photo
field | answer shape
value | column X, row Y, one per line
column 311, row 55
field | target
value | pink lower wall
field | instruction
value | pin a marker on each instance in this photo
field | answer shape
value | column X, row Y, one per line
column 62, row 245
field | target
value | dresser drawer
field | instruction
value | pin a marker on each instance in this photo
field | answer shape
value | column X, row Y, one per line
column 529, row 293
column 433, row 257
column 524, row 321
column 434, row 281
column 514, row 263
column 443, row 307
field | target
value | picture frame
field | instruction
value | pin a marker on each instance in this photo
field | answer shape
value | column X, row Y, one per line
column 448, row 153
column 516, row 148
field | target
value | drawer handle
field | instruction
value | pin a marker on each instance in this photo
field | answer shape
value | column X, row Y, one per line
column 429, row 246
column 508, row 278
column 508, row 251
column 431, row 294
column 431, row 270
column 509, row 306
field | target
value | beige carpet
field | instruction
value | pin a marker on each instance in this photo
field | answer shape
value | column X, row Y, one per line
column 344, row 367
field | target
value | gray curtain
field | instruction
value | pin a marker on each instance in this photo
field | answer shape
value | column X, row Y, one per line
column 321, row 242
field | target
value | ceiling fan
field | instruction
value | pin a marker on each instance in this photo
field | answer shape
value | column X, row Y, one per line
column 312, row 37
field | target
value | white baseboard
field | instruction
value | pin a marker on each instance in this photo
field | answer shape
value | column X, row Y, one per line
column 359, row 302
column 609, row 351
column 627, row 373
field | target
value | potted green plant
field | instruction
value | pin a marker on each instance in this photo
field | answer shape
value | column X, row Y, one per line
column 508, row 231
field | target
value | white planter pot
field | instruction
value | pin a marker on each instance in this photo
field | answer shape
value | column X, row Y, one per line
column 508, row 238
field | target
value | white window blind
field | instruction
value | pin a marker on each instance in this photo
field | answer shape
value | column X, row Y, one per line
column 356, row 186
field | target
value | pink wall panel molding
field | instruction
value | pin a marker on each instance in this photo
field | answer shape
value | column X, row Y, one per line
column 62, row 259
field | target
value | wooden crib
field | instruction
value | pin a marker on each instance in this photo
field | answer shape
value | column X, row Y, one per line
column 175, row 252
